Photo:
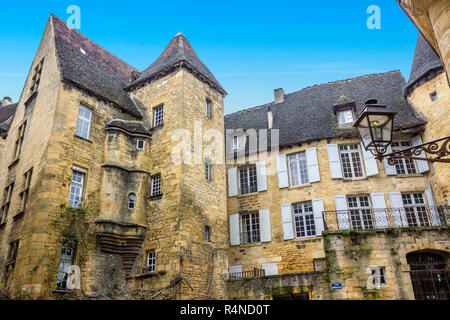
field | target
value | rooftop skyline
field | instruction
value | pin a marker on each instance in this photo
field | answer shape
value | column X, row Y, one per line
column 251, row 48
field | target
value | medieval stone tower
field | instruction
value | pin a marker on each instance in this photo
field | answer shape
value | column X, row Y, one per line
column 89, row 180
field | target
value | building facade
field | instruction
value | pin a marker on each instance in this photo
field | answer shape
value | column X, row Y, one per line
column 134, row 185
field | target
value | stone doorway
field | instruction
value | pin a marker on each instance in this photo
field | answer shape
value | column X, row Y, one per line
column 430, row 275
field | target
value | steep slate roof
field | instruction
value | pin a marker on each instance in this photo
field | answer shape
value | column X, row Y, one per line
column 6, row 115
column 178, row 50
column 91, row 67
column 308, row 115
column 425, row 60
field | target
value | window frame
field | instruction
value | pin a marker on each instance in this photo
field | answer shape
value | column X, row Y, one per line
column 151, row 261
column 434, row 96
column 143, row 144
column 19, row 141
column 239, row 142
column 26, row 189
column 132, row 199
column 208, row 108
column 207, row 234
column 253, row 224
column 358, row 214
column 350, row 152
column 79, row 185
column 414, row 217
column 65, row 262
column 346, row 112
column 403, row 162
column 159, row 189
column 158, row 116
column 251, row 171
column 303, row 220
column 300, row 168
column 379, row 275
column 208, row 170
column 36, row 79
column 82, row 120
column 6, row 203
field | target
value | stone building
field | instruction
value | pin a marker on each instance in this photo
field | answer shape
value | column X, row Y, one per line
column 108, row 177
column 7, row 111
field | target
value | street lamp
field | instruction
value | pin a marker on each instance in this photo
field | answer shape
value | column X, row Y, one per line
column 375, row 125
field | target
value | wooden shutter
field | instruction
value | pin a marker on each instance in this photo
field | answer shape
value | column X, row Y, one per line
column 232, row 182
column 370, row 162
column 422, row 166
column 342, row 214
column 283, row 181
column 390, row 170
column 261, row 176
column 313, row 165
column 318, row 209
column 380, row 211
column 286, row 218
column 235, row 236
column 432, row 206
column 398, row 211
column 264, row 219
column 335, row 161
column 270, row 269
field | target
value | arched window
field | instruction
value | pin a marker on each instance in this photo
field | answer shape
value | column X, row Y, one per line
column 131, row 201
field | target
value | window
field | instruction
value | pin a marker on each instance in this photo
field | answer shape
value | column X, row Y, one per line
column 158, row 116
column 36, row 77
column 76, row 187
column 304, row 219
column 151, row 261
column 207, row 170
column 19, row 140
column 239, row 142
column 65, row 262
column 360, row 212
column 84, row 122
column 346, row 118
column 434, row 96
column 250, row 228
column 298, row 169
column 7, row 195
column 13, row 250
column 415, row 209
column 403, row 166
column 140, row 144
column 207, row 234
column 378, row 276
column 247, row 179
column 351, row 161
column 26, row 188
column 132, row 201
column 156, row 186
column 208, row 108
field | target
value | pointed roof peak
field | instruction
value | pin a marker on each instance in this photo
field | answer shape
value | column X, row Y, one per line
column 179, row 34
column 179, row 42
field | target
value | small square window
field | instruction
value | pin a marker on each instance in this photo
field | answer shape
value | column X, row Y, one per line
column 140, row 144
column 346, row 118
column 378, row 276
column 434, row 96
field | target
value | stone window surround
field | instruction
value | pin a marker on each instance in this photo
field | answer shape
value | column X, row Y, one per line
column 84, row 121
column 158, row 116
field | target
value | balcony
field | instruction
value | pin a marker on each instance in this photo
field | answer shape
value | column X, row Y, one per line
column 371, row 219
column 255, row 273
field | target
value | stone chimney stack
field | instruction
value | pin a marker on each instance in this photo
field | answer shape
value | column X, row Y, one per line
column 6, row 101
column 279, row 95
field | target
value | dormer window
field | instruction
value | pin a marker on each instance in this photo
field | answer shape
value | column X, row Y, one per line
column 346, row 117
column 239, row 142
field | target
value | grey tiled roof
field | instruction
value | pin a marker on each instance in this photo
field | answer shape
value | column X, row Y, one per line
column 136, row 127
column 425, row 60
column 308, row 115
column 178, row 50
column 93, row 68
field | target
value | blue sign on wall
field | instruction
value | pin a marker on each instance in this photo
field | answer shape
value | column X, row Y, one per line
column 336, row 286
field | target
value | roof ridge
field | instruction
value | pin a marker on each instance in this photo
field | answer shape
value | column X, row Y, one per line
column 66, row 33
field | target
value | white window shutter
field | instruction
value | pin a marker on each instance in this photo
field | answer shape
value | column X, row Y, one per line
column 235, row 236
column 335, row 161
column 232, row 182
column 270, row 269
column 264, row 219
column 283, row 181
column 342, row 212
column 432, row 206
column 380, row 211
column 398, row 211
column 286, row 218
column 390, row 170
column 370, row 162
column 261, row 176
column 313, row 165
column 422, row 166
column 318, row 209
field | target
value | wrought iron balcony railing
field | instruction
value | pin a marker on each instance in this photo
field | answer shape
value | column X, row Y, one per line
column 255, row 273
column 370, row 219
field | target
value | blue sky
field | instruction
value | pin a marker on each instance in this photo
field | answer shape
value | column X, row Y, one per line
column 252, row 47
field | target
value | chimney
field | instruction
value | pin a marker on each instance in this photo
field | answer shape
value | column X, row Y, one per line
column 279, row 95
column 6, row 101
